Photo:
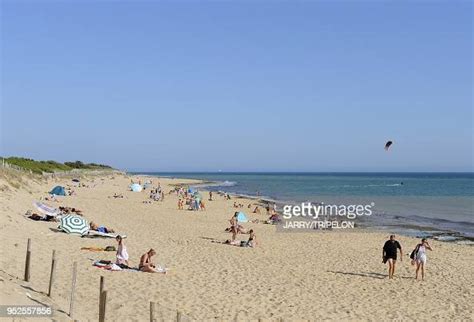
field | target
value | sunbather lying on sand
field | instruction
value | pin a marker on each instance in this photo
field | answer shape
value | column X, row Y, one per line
column 146, row 265
column 36, row 217
column 115, row 196
column 51, row 198
column 102, row 229
column 251, row 242
column 69, row 210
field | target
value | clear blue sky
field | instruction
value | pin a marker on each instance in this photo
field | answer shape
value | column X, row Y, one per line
column 240, row 86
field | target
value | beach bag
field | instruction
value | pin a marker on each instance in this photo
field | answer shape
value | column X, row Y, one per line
column 414, row 252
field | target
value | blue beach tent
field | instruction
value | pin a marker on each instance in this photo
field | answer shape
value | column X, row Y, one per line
column 241, row 217
column 58, row 191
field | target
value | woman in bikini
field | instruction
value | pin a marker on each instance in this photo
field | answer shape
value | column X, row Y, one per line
column 146, row 265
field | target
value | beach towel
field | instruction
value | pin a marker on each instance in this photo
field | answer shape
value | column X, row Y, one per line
column 160, row 269
column 107, row 265
column 94, row 233
column 99, row 249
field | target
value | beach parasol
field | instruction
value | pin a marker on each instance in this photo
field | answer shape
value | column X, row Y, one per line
column 136, row 187
column 73, row 224
column 45, row 209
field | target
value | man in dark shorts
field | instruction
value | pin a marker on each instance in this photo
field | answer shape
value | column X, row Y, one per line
column 389, row 254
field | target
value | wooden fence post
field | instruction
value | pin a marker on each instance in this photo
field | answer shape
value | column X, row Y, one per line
column 103, row 300
column 27, row 261
column 73, row 288
column 101, row 289
column 152, row 312
column 51, row 276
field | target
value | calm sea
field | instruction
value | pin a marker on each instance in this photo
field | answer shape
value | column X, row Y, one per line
column 416, row 203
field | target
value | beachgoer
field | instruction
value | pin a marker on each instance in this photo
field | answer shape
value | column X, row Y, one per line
column 389, row 254
column 274, row 218
column 146, row 265
column 420, row 257
column 210, row 195
column 101, row 229
column 252, row 242
column 122, row 254
column 235, row 227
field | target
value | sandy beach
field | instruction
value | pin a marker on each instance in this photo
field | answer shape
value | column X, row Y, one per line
column 331, row 275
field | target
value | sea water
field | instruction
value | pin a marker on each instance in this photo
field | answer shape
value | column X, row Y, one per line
column 405, row 202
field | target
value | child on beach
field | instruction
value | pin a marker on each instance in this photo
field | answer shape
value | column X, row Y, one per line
column 252, row 242
column 122, row 254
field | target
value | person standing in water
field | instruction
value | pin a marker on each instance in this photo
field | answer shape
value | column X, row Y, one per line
column 420, row 257
column 389, row 254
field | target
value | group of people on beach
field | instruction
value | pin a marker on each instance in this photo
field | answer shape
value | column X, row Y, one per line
column 192, row 200
column 418, row 255
column 235, row 229
column 146, row 264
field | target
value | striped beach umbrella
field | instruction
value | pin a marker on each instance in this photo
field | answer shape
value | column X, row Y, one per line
column 73, row 224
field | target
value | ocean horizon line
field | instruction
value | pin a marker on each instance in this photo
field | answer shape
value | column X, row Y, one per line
column 299, row 172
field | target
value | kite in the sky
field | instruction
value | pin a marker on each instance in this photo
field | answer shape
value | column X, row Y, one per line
column 387, row 145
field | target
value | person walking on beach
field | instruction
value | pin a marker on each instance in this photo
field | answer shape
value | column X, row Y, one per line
column 420, row 257
column 210, row 195
column 389, row 254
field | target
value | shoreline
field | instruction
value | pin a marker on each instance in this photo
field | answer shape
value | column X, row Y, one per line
column 417, row 230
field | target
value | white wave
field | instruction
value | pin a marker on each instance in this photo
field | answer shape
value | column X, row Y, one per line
column 227, row 183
